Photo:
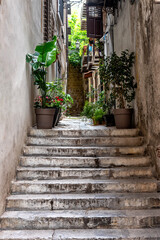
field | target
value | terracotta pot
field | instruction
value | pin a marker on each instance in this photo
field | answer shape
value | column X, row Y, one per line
column 123, row 118
column 95, row 123
column 44, row 117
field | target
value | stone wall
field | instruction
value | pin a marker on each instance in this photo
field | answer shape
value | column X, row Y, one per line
column 138, row 30
column 76, row 90
column 20, row 26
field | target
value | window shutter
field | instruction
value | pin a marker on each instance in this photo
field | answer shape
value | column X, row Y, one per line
column 48, row 21
column 61, row 8
column 94, row 22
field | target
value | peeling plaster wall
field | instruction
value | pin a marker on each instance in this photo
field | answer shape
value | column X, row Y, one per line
column 20, row 31
column 138, row 30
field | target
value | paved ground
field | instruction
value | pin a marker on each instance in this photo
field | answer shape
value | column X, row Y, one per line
column 78, row 123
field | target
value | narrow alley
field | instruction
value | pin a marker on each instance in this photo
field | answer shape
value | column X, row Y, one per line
column 79, row 120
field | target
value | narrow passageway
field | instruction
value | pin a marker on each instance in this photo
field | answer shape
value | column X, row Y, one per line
column 82, row 182
column 64, row 174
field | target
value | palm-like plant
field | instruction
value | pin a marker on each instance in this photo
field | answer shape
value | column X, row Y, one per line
column 45, row 54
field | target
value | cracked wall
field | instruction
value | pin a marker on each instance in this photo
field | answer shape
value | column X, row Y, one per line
column 138, row 30
column 20, row 26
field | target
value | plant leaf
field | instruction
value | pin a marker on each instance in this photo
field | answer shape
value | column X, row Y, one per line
column 47, row 52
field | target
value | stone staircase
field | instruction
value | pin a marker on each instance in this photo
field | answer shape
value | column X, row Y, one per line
column 83, row 184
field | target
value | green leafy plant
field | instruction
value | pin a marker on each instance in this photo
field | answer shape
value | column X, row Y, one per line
column 98, row 115
column 68, row 101
column 45, row 54
column 88, row 110
column 75, row 59
column 119, row 75
column 76, row 35
column 55, row 91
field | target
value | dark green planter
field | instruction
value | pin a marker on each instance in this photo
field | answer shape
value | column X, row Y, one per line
column 109, row 120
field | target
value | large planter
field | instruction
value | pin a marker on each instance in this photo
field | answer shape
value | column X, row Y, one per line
column 44, row 117
column 109, row 120
column 123, row 118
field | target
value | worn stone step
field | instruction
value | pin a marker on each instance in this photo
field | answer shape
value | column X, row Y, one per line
column 49, row 173
column 80, row 219
column 85, row 141
column 84, row 185
column 107, row 234
column 78, row 234
column 88, row 201
column 72, row 132
column 83, row 151
column 27, row 235
column 80, row 162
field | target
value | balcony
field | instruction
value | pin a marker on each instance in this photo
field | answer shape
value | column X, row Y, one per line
column 90, row 60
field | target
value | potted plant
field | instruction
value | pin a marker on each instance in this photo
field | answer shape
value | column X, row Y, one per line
column 54, row 90
column 119, row 76
column 61, row 100
column 88, row 110
column 44, row 116
column 45, row 54
column 98, row 116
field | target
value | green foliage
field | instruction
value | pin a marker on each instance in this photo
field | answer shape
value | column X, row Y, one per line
column 55, row 88
column 76, row 35
column 116, row 72
column 75, row 59
column 55, row 91
column 68, row 101
column 93, row 111
column 45, row 54
column 88, row 110
column 98, row 115
column 76, row 32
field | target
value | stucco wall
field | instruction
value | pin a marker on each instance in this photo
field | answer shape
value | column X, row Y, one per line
column 20, row 31
column 138, row 30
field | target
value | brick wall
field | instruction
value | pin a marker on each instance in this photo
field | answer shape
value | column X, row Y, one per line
column 76, row 90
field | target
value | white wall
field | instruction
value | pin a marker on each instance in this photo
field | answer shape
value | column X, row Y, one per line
column 123, row 29
column 20, row 31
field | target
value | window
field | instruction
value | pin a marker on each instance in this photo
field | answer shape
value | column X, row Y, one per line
column 94, row 22
column 95, row 12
